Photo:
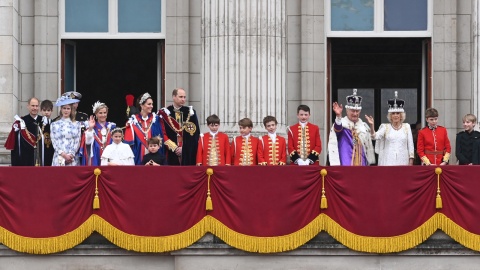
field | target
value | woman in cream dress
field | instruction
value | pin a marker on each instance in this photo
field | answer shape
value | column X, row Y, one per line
column 394, row 144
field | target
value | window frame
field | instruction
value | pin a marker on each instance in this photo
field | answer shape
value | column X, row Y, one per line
column 113, row 32
column 378, row 24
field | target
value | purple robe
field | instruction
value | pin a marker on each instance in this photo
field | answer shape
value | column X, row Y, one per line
column 345, row 146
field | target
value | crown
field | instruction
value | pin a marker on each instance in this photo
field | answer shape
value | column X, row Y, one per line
column 144, row 97
column 396, row 104
column 97, row 105
column 354, row 102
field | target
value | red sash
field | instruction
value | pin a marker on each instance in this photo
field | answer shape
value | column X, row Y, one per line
column 26, row 135
column 141, row 136
column 97, row 139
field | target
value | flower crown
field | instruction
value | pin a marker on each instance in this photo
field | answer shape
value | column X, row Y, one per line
column 97, row 105
column 144, row 97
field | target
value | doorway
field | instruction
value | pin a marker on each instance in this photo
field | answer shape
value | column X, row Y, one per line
column 108, row 70
column 378, row 67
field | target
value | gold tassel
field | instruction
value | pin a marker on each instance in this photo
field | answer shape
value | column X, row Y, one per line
column 438, row 200
column 323, row 201
column 96, row 199
column 208, row 203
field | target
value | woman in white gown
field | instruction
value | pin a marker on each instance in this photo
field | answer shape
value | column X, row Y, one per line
column 65, row 134
column 394, row 144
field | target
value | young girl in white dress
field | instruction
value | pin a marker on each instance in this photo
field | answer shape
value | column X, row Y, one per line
column 117, row 153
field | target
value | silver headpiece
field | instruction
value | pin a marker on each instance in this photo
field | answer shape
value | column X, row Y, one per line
column 97, row 105
column 144, row 97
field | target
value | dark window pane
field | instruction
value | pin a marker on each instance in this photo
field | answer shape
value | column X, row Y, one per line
column 406, row 15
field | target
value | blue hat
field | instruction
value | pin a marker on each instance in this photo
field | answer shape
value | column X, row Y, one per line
column 73, row 95
column 65, row 100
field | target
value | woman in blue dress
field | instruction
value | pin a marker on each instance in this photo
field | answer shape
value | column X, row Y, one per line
column 65, row 134
column 143, row 126
column 98, row 135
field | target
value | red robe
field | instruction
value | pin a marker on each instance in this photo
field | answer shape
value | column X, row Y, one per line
column 270, row 153
column 433, row 146
column 313, row 144
column 238, row 150
column 205, row 155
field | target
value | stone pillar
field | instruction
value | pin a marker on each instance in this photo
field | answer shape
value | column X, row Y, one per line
column 9, row 39
column 243, row 49
column 476, row 57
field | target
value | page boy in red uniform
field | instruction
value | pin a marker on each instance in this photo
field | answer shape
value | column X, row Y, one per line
column 272, row 149
column 433, row 145
column 244, row 147
column 213, row 146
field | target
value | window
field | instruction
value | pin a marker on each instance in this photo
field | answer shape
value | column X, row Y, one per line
column 108, row 19
column 378, row 18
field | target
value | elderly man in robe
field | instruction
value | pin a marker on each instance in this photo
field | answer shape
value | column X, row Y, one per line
column 350, row 143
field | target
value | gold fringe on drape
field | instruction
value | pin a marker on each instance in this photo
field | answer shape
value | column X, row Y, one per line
column 50, row 244
column 241, row 241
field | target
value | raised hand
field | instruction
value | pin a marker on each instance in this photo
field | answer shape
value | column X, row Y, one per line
column 91, row 122
column 338, row 109
column 369, row 119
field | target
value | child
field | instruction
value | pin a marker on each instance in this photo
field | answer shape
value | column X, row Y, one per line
column 117, row 153
column 213, row 147
column 466, row 140
column 433, row 145
column 244, row 147
column 304, row 144
column 272, row 148
column 46, row 151
column 154, row 157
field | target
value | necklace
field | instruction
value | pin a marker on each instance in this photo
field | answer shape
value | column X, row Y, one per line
column 396, row 128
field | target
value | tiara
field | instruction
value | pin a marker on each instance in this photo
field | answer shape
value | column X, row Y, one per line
column 97, row 105
column 117, row 129
column 144, row 97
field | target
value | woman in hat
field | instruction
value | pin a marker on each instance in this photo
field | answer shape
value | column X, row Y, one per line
column 141, row 127
column 394, row 140
column 65, row 134
column 98, row 135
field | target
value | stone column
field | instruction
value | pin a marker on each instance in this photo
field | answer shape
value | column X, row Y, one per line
column 9, row 39
column 243, row 50
column 476, row 57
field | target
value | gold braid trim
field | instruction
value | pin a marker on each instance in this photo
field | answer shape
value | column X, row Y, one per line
column 171, row 145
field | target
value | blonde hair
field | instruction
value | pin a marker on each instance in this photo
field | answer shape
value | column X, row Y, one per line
column 403, row 116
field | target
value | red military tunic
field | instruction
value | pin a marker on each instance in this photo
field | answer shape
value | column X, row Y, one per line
column 244, row 153
column 270, row 153
column 308, row 146
column 213, row 151
column 433, row 145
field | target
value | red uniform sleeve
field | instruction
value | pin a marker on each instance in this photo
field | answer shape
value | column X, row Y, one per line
column 283, row 150
column 228, row 157
column 260, row 149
